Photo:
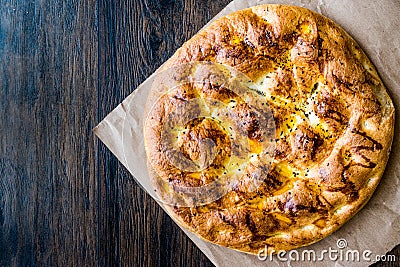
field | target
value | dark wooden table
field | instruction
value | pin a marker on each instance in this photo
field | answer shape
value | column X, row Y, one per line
column 64, row 198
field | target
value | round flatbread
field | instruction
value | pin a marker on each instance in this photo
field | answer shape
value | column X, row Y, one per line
column 333, row 130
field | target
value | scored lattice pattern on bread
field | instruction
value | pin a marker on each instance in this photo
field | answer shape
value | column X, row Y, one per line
column 334, row 127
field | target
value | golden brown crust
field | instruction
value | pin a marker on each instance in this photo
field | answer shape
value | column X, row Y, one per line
column 334, row 123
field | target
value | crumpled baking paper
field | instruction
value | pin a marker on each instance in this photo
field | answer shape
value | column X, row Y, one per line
column 370, row 233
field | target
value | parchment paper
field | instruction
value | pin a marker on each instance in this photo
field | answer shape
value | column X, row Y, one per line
column 376, row 228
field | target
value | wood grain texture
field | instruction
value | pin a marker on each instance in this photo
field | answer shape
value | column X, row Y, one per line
column 136, row 37
column 65, row 200
column 48, row 186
